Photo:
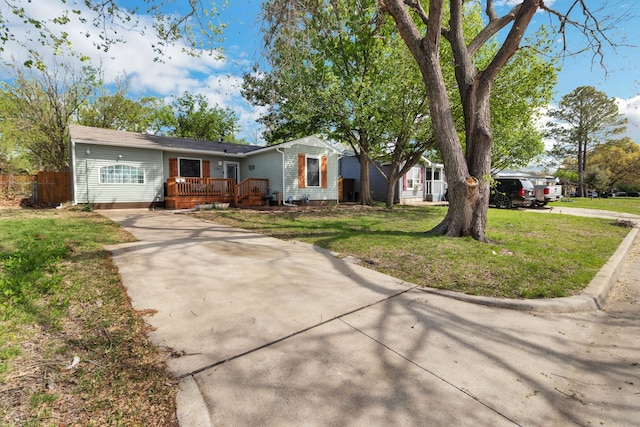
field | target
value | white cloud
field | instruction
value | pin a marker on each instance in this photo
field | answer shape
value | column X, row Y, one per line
column 207, row 75
column 630, row 109
column 512, row 3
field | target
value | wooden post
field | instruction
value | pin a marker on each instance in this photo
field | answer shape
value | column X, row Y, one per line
column 172, row 187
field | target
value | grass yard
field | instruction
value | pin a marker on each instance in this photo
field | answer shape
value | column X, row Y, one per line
column 533, row 255
column 62, row 301
column 60, row 298
column 629, row 205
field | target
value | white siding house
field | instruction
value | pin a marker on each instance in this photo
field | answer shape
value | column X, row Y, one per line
column 305, row 169
column 112, row 168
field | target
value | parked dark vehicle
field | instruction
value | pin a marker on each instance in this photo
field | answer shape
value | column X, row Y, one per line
column 633, row 194
column 512, row 192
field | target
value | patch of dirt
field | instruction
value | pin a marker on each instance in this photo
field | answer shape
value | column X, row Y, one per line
column 10, row 203
column 48, row 386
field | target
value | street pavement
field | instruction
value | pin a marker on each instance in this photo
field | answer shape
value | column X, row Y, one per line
column 272, row 333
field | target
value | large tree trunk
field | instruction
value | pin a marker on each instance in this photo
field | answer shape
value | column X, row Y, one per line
column 365, row 183
column 391, row 190
column 467, row 175
column 478, row 142
column 581, row 191
column 467, row 211
column 582, row 161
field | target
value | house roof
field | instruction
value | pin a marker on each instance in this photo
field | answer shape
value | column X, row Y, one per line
column 99, row 136
column 311, row 140
column 110, row 137
column 348, row 152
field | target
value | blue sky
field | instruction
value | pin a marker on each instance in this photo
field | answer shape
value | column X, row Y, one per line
column 220, row 79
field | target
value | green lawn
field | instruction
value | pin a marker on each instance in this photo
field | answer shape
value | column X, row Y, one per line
column 61, row 297
column 532, row 255
column 629, row 205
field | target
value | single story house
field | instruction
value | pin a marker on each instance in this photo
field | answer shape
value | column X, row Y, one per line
column 117, row 169
column 423, row 182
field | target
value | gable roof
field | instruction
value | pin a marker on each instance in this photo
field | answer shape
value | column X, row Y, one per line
column 311, row 140
column 117, row 138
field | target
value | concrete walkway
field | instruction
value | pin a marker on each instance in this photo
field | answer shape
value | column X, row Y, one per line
column 272, row 333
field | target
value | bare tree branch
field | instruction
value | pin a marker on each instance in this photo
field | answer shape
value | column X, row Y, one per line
column 491, row 12
column 417, row 7
column 495, row 25
column 591, row 26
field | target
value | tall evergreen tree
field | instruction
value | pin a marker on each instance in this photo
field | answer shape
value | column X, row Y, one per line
column 584, row 119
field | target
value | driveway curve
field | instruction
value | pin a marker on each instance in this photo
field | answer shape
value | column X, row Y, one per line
column 265, row 332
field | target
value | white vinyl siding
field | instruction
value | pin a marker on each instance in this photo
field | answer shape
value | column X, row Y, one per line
column 91, row 161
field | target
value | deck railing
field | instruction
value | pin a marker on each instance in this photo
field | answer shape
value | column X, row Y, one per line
column 216, row 188
column 252, row 190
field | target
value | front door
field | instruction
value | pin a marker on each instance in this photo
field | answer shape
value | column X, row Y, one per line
column 232, row 170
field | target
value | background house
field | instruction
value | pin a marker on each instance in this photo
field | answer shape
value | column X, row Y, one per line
column 424, row 182
column 116, row 169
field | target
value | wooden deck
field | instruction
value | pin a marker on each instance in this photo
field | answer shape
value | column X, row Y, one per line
column 187, row 193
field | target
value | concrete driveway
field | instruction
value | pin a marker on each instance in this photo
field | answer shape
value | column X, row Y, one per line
column 266, row 332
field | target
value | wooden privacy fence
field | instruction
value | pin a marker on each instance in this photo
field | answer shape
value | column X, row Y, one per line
column 16, row 185
column 52, row 188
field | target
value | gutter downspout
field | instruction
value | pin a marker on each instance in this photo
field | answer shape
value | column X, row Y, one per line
column 72, row 168
column 284, row 184
column 340, row 156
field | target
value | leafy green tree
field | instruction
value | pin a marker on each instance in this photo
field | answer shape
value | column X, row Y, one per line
column 584, row 119
column 567, row 174
column 597, row 179
column 346, row 75
column 39, row 104
column 116, row 111
column 13, row 157
column 332, row 72
column 620, row 159
column 193, row 118
column 520, row 93
column 423, row 26
column 194, row 23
